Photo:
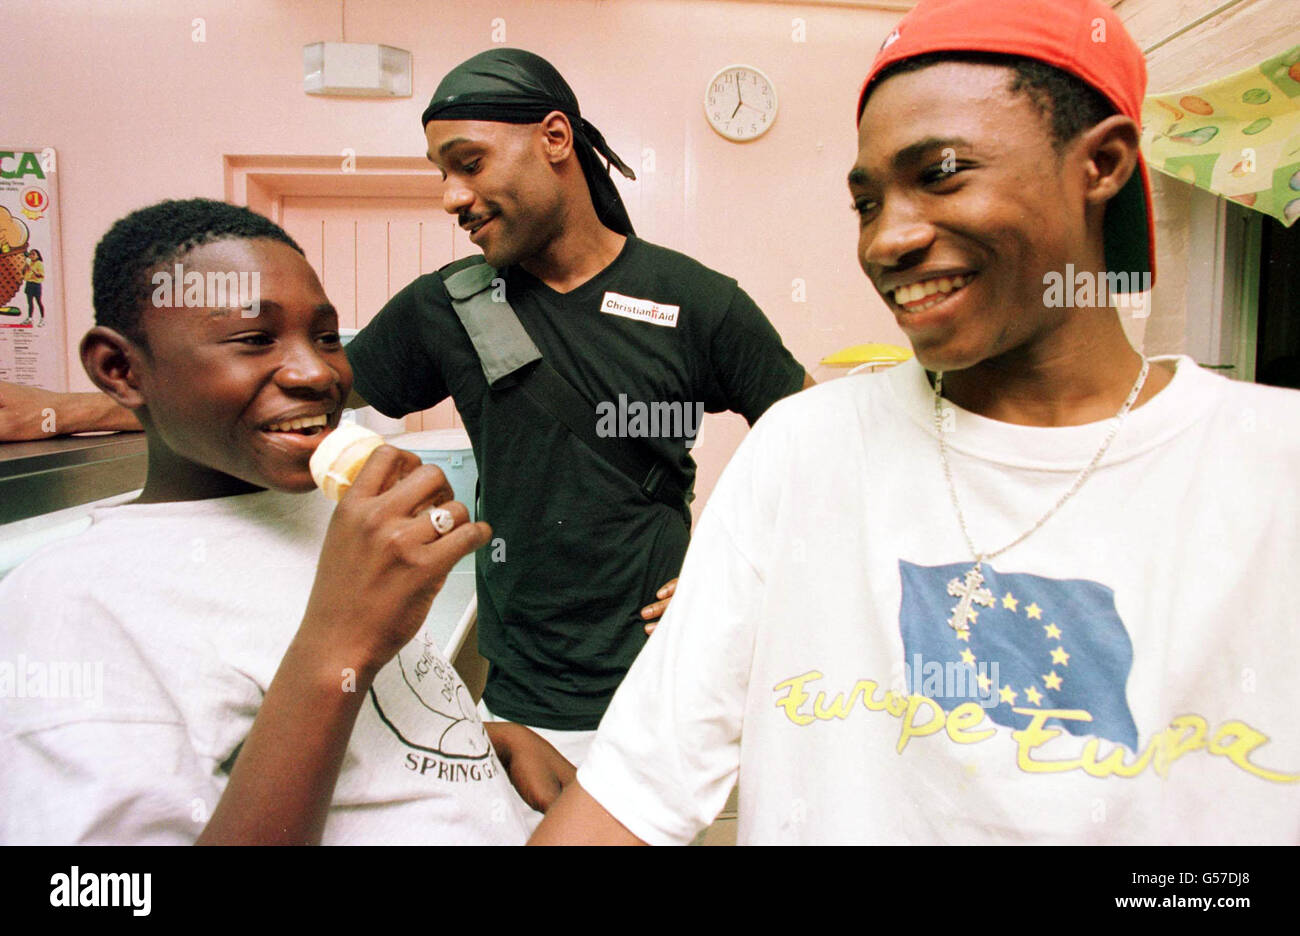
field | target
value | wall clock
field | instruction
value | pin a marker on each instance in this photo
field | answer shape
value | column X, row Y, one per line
column 740, row 103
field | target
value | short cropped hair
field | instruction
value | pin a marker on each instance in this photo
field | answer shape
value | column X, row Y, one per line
column 1071, row 104
column 152, row 237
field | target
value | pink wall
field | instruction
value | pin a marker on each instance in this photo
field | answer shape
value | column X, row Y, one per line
column 138, row 111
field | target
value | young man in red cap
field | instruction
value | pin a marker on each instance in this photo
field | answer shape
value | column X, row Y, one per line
column 1037, row 593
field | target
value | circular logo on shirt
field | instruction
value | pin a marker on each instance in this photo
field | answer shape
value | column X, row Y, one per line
column 420, row 697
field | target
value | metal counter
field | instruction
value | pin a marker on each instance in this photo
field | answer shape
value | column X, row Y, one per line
column 53, row 474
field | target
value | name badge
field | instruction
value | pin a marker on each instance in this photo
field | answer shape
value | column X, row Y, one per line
column 643, row 310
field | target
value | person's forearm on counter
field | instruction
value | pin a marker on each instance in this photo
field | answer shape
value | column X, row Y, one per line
column 28, row 413
column 89, row 412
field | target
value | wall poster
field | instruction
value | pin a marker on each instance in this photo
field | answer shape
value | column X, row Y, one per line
column 32, row 324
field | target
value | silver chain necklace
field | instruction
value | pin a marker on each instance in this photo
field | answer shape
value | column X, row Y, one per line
column 970, row 590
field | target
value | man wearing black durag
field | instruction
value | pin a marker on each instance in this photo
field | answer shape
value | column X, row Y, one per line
column 581, row 359
column 585, row 537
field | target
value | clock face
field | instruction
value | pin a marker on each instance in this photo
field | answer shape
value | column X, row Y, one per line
column 740, row 103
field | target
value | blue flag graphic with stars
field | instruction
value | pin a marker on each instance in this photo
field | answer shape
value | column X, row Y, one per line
column 1056, row 643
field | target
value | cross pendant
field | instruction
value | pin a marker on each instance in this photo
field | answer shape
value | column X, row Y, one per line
column 972, row 591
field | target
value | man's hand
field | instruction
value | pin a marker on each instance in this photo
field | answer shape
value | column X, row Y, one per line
column 536, row 769
column 653, row 612
column 28, row 413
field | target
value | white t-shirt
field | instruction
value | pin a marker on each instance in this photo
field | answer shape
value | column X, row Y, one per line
column 134, row 658
column 809, row 646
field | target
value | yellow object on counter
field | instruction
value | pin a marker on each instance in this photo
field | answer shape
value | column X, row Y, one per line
column 873, row 354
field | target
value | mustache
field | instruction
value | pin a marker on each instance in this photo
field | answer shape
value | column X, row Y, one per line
column 464, row 219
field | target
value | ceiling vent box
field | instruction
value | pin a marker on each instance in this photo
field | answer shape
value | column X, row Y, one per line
column 356, row 69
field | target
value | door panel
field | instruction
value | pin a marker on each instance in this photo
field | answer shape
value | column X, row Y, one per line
column 338, row 271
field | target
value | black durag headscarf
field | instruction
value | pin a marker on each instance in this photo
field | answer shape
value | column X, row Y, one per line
column 518, row 87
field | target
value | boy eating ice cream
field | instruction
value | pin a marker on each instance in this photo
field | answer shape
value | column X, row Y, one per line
column 256, row 687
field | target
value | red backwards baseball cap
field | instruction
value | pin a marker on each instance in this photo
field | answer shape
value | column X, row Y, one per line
column 1082, row 37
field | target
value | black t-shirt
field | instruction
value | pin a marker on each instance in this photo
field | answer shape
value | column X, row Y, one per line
column 577, row 548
